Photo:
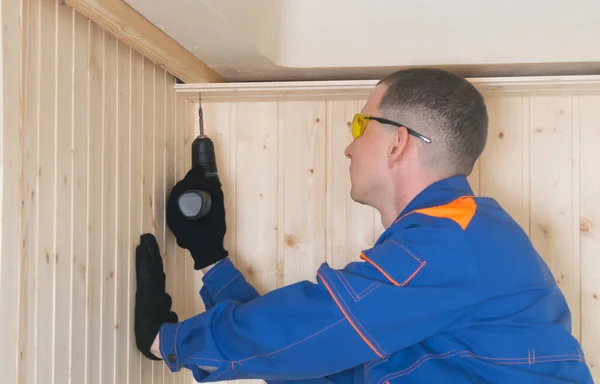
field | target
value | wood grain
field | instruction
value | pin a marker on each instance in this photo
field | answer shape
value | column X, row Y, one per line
column 93, row 137
column 121, row 20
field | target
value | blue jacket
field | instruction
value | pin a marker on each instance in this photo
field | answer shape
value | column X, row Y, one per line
column 453, row 291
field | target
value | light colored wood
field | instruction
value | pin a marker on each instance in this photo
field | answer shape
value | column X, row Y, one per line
column 26, row 362
column 11, row 193
column 96, row 204
column 110, row 186
column 191, row 282
column 136, row 200
column 588, row 111
column 81, row 141
column 147, row 217
column 130, row 27
column 74, row 107
column 125, row 253
column 45, row 253
column 358, row 89
column 64, row 196
column 183, row 274
column 505, row 161
column 551, row 184
column 219, row 125
column 302, row 228
column 533, row 165
column 350, row 227
column 109, row 120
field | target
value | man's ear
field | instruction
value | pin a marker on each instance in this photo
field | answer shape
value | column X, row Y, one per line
column 397, row 147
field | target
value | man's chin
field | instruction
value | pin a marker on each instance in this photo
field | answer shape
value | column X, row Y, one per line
column 355, row 197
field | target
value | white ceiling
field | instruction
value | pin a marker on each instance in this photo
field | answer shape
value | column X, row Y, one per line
column 259, row 40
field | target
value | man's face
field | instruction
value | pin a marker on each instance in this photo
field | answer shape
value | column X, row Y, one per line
column 368, row 155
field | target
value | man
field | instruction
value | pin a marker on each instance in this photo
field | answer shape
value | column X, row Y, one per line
column 452, row 291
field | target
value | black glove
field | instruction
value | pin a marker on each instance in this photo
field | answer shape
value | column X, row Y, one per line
column 202, row 237
column 152, row 303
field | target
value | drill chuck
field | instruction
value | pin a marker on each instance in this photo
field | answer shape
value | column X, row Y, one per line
column 193, row 203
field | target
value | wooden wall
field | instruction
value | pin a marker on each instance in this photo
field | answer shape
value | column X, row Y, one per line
column 287, row 188
column 92, row 137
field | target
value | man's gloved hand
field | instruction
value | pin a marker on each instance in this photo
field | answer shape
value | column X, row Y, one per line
column 152, row 303
column 202, row 237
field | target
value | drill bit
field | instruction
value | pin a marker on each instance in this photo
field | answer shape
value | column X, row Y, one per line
column 200, row 117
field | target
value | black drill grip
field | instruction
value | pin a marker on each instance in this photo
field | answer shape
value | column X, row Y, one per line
column 195, row 204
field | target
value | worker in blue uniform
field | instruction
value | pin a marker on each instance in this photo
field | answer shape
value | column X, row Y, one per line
column 452, row 291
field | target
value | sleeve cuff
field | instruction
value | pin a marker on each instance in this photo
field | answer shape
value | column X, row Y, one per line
column 168, row 345
column 219, row 277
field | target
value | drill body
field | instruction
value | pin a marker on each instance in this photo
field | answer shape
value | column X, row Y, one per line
column 194, row 203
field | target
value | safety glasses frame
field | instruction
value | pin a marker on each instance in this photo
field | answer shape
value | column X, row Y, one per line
column 358, row 128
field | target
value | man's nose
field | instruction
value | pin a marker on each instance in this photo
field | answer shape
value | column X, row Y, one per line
column 347, row 151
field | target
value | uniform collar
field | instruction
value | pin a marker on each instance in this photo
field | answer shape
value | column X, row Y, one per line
column 439, row 193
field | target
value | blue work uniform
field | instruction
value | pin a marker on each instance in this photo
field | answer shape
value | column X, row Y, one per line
column 452, row 292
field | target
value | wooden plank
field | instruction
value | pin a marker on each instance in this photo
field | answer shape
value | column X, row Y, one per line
column 148, row 219
column 551, row 183
column 219, row 125
column 64, row 196
column 181, row 297
column 125, row 253
column 505, row 161
column 191, row 279
column 350, row 226
column 159, row 181
column 130, row 27
column 256, row 206
column 303, row 226
column 96, row 208
column 588, row 110
column 79, row 274
column 11, row 145
column 136, row 198
column 29, row 204
column 46, row 222
column 170, row 127
column 109, row 220
column 339, row 117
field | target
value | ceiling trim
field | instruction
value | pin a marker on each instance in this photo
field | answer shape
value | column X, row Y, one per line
column 130, row 27
column 357, row 89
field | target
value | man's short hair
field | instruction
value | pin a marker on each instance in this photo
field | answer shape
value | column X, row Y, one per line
column 443, row 107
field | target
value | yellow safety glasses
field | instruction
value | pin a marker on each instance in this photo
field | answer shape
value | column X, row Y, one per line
column 360, row 122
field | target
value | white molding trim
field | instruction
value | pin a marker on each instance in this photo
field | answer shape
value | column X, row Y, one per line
column 359, row 89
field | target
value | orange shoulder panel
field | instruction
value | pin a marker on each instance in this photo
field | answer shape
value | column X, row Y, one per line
column 460, row 210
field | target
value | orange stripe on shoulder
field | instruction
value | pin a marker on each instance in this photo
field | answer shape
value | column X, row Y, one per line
column 460, row 210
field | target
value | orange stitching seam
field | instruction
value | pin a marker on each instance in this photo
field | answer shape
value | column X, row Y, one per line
column 291, row 345
column 362, row 256
column 414, row 274
column 356, row 319
column 467, row 354
column 406, row 250
column 417, row 364
column 348, row 317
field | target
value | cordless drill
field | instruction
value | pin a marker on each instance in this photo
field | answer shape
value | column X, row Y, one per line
column 194, row 203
